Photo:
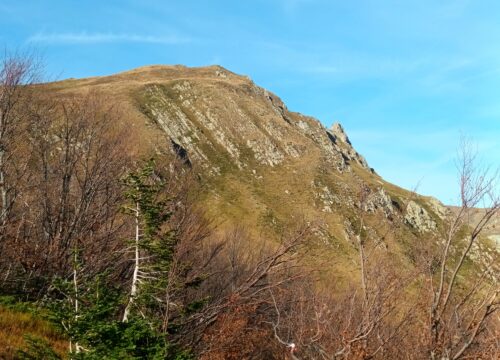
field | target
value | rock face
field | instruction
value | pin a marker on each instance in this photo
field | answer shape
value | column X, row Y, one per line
column 438, row 208
column 417, row 217
column 344, row 146
column 338, row 132
column 249, row 124
column 379, row 200
column 261, row 164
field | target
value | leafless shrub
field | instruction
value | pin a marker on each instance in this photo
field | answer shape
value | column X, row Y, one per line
column 239, row 294
column 17, row 73
column 70, row 208
column 461, row 309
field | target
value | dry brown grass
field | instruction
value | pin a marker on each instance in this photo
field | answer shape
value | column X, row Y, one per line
column 15, row 325
column 256, row 195
column 240, row 196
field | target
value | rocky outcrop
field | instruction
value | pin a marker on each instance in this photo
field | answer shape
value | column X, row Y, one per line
column 418, row 218
column 379, row 200
column 438, row 208
column 338, row 133
column 327, row 200
column 339, row 137
column 233, row 114
column 253, row 152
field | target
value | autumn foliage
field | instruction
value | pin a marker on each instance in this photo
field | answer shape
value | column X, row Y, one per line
column 113, row 248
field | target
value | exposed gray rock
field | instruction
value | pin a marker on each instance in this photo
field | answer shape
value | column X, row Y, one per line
column 438, row 208
column 338, row 132
column 328, row 199
column 247, row 117
column 379, row 200
column 265, row 152
column 342, row 144
column 418, row 218
column 352, row 154
column 313, row 129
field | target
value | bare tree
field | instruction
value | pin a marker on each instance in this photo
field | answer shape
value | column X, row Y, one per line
column 17, row 73
column 72, row 204
column 362, row 321
column 460, row 308
column 241, row 295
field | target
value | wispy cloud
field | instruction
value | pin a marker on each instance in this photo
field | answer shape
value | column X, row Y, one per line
column 99, row 38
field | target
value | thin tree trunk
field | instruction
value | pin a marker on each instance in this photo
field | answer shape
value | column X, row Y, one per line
column 75, row 285
column 363, row 270
column 3, row 189
column 135, row 276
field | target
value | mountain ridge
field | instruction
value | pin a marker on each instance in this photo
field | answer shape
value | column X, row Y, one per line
column 260, row 163
column 208, row 201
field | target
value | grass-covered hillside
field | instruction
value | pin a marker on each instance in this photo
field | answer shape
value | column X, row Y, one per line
column 177, row 213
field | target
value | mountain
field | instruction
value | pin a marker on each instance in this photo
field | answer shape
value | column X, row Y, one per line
column 263, row 166
column 300, row 250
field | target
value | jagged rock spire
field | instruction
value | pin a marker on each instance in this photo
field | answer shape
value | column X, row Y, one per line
column 339, row 133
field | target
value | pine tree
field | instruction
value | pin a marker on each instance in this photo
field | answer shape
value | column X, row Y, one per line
column 88, row 310
column 97, row 329
column 153, row 244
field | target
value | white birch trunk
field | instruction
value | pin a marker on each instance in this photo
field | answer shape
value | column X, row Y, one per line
column 135, row 276
column 3, row 190
column 75, row 285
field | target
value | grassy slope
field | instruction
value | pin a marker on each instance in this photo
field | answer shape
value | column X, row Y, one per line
column 15, row 324
column 261, row 198
column 279, row 194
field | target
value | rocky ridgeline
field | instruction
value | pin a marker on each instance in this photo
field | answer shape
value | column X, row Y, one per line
column 267, row 169
column 344, row 146
column 258, row 159
column 220, row 120
column 241, row 119
column 417, row 217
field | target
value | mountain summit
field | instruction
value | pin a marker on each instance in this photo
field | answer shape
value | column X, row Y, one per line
column 263, row 165
column 192, row 205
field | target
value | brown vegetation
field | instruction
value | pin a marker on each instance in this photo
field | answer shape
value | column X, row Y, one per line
column 15, row 325
column 227, row 293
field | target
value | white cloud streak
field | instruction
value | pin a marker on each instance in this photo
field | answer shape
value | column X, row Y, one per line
column 101, row 38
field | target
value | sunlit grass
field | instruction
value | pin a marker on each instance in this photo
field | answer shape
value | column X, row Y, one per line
column 15, row 325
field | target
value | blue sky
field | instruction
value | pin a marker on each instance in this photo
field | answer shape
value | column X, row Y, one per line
column 405, row 78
